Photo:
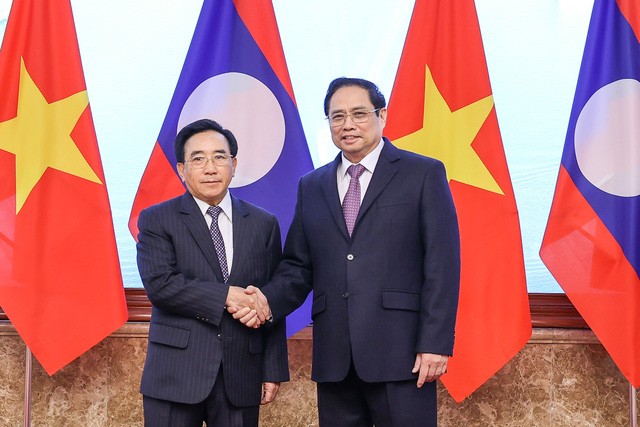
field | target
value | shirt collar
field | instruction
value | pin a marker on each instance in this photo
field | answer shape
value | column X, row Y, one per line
column 369, row 161
column 225, row 205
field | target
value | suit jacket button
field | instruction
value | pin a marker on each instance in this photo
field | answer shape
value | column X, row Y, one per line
column 345, row 295
column 350, row 257
column 220, row 337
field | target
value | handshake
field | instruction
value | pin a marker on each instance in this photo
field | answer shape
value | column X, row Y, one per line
column 249, row 306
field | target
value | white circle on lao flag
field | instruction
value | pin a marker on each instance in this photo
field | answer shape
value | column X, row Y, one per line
column 248, row 108
column 607, row 138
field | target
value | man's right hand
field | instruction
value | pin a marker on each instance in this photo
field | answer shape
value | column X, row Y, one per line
column 249, row 306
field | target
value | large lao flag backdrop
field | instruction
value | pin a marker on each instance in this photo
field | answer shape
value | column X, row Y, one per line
column 60, row 281
column 592, row 241
column 442, row 106
column 235, row 73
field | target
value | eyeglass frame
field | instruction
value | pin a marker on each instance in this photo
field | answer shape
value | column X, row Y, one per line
column 350, row 115
column 218, row 159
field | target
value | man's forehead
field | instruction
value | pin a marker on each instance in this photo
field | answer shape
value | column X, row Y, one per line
column 350, row 98
column 207, row 141
column 350, row 107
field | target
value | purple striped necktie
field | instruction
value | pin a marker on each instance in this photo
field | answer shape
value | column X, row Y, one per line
column 351, row 202
column 216, row 235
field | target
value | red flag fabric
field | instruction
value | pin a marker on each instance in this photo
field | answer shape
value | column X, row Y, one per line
column 592, row 241
column 442, row 106
column 60, row 281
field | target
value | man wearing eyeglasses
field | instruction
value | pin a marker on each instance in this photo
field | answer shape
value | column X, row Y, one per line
column 201, row 364
column 375, row 236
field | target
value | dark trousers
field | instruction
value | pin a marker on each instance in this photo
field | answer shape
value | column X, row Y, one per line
column 215, row 410
column 355, row 403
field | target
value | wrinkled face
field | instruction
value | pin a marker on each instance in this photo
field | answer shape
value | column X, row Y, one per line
column 355, row 140
column 210, row 181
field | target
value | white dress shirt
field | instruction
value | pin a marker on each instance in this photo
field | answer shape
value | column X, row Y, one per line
column 225, row 223
column 369, row 162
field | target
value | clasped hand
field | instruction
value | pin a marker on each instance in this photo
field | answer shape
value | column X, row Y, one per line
column 249, row 306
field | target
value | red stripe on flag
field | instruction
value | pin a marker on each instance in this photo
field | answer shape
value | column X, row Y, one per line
column 260, row 19
column 631, row 11
column 589, row 264
column 159, row 183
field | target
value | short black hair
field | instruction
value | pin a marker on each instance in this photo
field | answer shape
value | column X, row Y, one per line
column 199, row 126
column 375, row 96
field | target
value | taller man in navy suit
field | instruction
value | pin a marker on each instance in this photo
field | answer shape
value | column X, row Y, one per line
column 201, row 364
column 385, row 288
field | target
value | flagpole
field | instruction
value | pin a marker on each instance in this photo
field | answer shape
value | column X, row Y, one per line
column 633, row 407
column 27, row 388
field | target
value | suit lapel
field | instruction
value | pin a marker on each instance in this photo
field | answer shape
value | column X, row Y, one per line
column 193, row 219
column 386, row 169
column 242, row 231
column 329, row 186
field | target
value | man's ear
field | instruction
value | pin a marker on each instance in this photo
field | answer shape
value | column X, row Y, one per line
column 234, row 163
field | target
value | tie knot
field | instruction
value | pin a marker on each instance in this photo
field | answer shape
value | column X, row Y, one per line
column 214, row 211
column 355, row 170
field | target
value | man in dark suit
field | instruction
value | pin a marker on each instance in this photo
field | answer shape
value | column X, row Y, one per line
column 201, row 364
column 375, row 236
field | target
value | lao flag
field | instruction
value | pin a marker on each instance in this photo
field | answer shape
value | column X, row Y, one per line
column 442, row 106
column 592, row 241
column 235, row 73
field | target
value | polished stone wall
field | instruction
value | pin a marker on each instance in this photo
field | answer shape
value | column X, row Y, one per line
column 563, row 377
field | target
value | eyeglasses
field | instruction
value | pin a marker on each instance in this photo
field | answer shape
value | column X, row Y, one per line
column 199, row 162
column 359, row 116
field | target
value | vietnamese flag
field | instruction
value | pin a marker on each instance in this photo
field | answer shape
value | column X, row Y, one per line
column 60, row 282
column 441, row 106
column 592, row 241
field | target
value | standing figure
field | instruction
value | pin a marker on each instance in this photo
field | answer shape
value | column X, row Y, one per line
column 201, row 364
column 375, row 236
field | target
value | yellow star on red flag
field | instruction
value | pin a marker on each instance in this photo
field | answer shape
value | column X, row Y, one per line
column 40, row 137
column 447, row 136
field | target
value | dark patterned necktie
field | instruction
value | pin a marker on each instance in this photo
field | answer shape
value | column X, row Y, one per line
column 214, row 211
column 351, row 202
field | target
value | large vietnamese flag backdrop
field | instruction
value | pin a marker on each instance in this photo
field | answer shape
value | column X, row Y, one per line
column 60, row 281
column 592, row 241
column 235, row 73
column 442, row 106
